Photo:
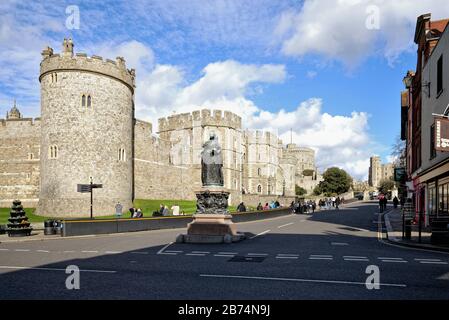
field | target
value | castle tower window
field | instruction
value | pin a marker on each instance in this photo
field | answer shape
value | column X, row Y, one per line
column 259, row 172
column 30, row 156
column 259, row 188
column 89, row 101
column 53, row 152
column 83, row 101
column 121, row 154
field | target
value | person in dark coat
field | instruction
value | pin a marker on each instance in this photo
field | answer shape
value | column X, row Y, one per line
column 395, row 202
column 241, row 207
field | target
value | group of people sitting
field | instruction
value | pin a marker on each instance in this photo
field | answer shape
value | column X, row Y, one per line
column 268, row 206
column 165, row 211
column 136, row 213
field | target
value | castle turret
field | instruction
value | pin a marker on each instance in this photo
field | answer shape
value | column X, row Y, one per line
column 86, row 132
column 14, row 113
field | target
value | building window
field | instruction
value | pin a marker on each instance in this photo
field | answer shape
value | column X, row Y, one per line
column 440, row 75
column 86, row 101
column 259, row 188
column 432, row 200
column 30, row 156
column 259, row 172
column 121, row 154
column 433, row 152
column 443, row 199
column 53, row 152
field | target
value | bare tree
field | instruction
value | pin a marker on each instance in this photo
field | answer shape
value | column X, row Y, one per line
column 398, row 152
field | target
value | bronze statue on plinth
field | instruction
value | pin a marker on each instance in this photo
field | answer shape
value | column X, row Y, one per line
column 212, row 222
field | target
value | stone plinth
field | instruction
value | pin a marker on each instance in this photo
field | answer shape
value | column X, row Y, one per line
column 212, row 223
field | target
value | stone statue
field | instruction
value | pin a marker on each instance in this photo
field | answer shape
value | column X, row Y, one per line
column 212, row 163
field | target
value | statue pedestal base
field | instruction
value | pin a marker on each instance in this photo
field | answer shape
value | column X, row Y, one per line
column 211, row 228
column 212, row 223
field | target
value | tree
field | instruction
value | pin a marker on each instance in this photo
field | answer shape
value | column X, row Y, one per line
column 299, row 191
column 336, row 181
column 317, row 191
column 386, row 185
column 398, row 153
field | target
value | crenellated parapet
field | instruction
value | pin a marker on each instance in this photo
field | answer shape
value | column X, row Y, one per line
column 263, row 137
column 203, row 118
column 69, row 61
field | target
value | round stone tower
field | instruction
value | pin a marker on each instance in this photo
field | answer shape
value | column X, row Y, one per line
column 87, row 115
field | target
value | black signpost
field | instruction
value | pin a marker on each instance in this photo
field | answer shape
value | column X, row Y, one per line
column 86, row 188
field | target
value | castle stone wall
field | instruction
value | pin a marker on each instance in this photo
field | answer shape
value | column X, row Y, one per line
column 19, row 161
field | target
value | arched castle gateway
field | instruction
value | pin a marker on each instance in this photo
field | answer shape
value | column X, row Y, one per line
column 87, row 129
column 87, row 114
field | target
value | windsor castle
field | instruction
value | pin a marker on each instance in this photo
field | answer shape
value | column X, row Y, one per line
column 88, row 131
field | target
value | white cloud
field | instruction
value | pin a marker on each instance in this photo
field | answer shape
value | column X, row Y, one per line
column 341, row 141
column 336, row 29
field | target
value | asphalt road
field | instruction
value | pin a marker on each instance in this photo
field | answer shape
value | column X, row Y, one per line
column 324, row 256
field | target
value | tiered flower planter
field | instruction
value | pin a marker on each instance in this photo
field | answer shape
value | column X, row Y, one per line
column 19, row 225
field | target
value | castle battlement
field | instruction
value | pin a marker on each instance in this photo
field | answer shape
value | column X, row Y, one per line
column 205, row 117
column 67, row 61
column 22, row 121
column 262, row 136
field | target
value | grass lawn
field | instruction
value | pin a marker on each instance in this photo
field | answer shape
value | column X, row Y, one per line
column 147, row 206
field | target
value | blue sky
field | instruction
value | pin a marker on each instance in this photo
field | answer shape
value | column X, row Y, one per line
column 331, row 70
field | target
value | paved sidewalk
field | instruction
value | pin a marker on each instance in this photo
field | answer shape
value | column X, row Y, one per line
column 393, row 223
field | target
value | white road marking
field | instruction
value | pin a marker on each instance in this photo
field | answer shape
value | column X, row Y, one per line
column 224, row 255
column 139, row 252
column 395, row 261
column 260, row 234
column 53, row 269
column 89, row 251
column 356, row 259
column 385, row 258
column 201, row 252
column 321, row 257
column 195, row 254
column 433, row 262
column 22, row 250
column 174, row 251
column 46, row 251
column 287, row 257
column 168, row 253
column 299, row 280
column 113, row 252
column 4, row 249
column 233, row 253
column 285, row 225
column 339, row 244
column 165, row 247
column 257, row 254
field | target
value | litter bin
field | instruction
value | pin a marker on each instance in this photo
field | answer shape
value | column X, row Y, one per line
column 408, row 229
column 49, row 227
column 58, row 227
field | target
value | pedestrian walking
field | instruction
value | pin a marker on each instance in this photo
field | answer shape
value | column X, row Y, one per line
column 395, row 202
